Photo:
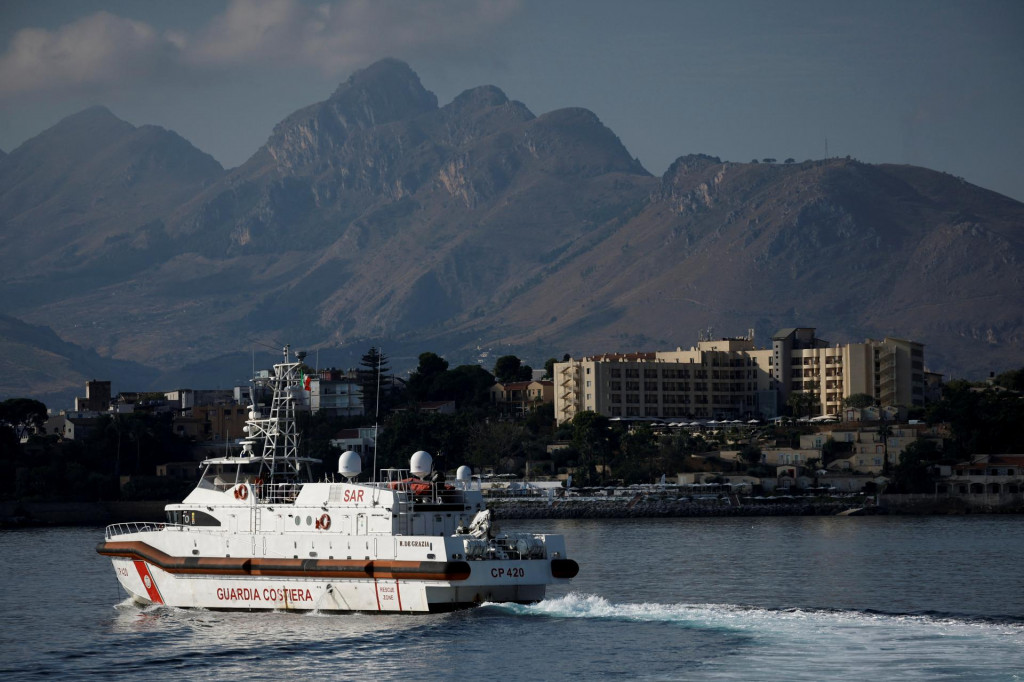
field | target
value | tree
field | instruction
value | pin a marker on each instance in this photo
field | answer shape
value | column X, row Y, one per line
column 884, row 431
column 802, row 404
column 421, row 382
column 751, row 454
column 832, row 450
column 506, row 369
column 640, row 447
column 23, row 415
column 790, row 160
column 858, row 400
column 541, row 420
column 549, row 368
column 591, row 437
column 496, row 444
column 467, row 385
column 981, row 421
column 913, row 474
column 371, row 376
column 1012, row 379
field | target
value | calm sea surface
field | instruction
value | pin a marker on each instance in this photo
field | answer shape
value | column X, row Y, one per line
column 871, row 598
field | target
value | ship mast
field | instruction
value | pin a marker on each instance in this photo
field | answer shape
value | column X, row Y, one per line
column 278, row 430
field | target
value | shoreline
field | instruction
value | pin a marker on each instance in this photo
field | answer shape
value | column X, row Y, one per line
column 15, row 514
column 654, row 509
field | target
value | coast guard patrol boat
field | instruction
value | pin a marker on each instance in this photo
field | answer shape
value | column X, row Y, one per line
column 258, row 533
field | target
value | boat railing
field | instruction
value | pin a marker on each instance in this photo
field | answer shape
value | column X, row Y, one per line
column 277, row 493
column 115, row 529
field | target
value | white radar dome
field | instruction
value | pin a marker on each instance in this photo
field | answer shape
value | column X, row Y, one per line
column 350, row 464
column 463, row 474
column 420, row 464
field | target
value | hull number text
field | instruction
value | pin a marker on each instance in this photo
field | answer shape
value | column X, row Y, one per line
column 514, row 572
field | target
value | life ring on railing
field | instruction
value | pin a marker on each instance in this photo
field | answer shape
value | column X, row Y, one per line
column 324, row 522
column 241, row 492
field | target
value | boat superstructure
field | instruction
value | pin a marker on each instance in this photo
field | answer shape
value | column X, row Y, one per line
column 258, row 532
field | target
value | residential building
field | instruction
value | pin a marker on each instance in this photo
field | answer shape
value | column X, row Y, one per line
column 362, row 440
column 993, row 479
column 187, row 398
column 221, row 422
column 97, row 397
column 518, row 398
column 871, row 446
column 336, row 393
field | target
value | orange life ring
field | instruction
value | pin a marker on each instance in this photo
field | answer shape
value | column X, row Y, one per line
column 324, row 522
column 241, row 492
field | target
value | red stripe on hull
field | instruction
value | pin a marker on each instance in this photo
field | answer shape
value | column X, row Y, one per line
column 299, row 568
column 148, row 582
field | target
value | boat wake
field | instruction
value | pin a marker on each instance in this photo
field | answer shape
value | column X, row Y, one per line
column 771, row 639
column 576, row 605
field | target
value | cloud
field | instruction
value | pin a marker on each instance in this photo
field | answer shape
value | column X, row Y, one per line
column 103, row 51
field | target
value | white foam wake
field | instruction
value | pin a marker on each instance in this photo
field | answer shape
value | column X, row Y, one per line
column 838, row 641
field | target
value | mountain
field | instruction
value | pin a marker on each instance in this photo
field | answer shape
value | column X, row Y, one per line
column 378, row 216
column 88, row 195
column 35, row 361
column 854, row 249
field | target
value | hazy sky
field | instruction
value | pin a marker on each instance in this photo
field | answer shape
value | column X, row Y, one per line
column 932, row 83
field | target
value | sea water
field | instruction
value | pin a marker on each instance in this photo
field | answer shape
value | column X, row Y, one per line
column 811, row 598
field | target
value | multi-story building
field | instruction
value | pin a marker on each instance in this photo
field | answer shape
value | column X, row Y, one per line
column 336, row 393
column 518, row 398
column 97, row 397
column 732, row 378
column 725, row 378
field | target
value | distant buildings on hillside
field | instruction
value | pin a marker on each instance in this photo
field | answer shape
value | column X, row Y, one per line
column 731, row 378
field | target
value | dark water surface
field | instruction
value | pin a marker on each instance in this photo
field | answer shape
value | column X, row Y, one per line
column 809, row 598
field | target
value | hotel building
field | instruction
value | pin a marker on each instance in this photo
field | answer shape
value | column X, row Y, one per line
column 732, row 379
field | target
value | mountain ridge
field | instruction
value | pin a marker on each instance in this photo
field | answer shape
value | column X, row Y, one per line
column 378, row 215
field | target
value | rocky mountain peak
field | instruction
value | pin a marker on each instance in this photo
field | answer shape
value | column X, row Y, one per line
column 388, row 90
column 475, row 99
column 385, row 92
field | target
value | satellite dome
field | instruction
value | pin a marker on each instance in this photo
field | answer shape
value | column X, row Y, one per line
column 420, row 464
column 350, row 464
column 464, row 474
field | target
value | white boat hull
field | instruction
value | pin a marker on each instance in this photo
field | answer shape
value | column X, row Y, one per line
column 152, row 576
